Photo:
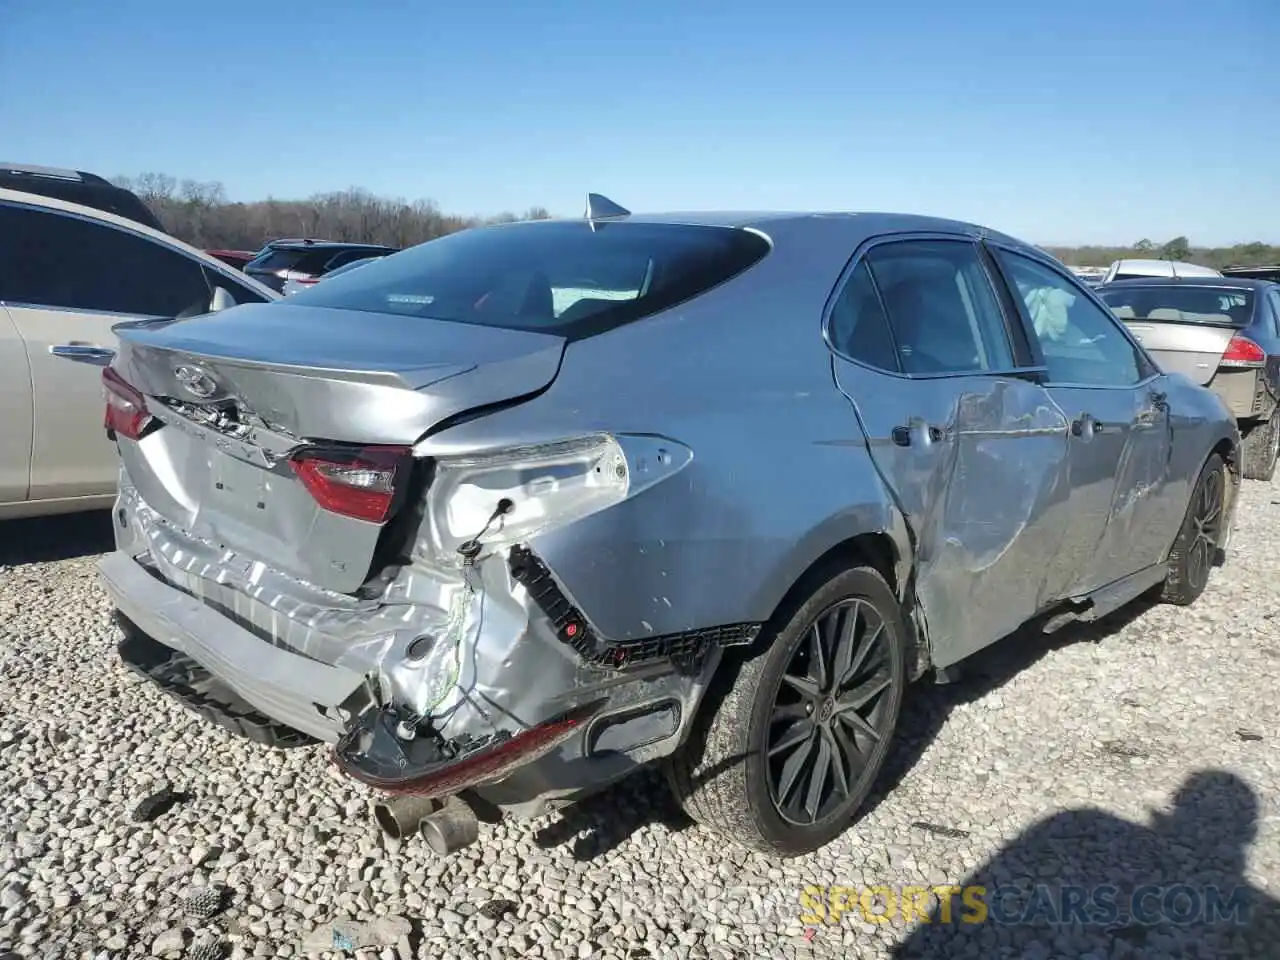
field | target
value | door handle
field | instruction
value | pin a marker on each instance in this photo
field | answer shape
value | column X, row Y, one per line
column 1086, row 425
column 82, row 352
column 905, row 435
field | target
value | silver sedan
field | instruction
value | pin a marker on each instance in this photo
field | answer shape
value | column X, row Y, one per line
column 511, row 514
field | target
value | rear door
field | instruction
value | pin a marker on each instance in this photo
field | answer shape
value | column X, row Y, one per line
column 15, row 408
column 964, row 437
column 1125, row 506
column 65, row 285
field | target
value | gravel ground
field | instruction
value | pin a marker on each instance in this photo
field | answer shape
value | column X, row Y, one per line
column 1139, row 752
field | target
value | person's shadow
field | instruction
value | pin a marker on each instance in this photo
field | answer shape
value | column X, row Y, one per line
column 1087, row 883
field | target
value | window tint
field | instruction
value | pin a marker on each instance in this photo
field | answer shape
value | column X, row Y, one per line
column 1081, row 342
column 1228, row 307
column 859, row 327
column 557, row 276
column 942, row 311
column 1274, row 296
column 54, row 260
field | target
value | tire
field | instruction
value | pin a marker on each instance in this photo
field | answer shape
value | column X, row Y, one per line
column 724, row 777
column 1191, row 559
column 1260, row 447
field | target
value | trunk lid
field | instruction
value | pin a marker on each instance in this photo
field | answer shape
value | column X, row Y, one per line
column 1192, row 348
column 236, row 392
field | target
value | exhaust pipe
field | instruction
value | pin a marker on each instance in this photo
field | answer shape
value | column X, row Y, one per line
column 450, row 828
column 399, row 817
column 447, row 825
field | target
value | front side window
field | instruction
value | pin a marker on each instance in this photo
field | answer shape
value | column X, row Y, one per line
column 1081, row 342
column 239, row 292
column 944, row 316
column 555, row 276
column 50, row 259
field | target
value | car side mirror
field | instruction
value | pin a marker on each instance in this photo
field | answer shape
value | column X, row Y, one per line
column 221, row 300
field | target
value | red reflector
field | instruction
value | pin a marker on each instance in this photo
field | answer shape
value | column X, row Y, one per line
column 126, row 414
column 360, row 485
column 485, row 765
column 1243, row 350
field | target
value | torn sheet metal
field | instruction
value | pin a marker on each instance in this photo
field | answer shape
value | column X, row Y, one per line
column 458, row 654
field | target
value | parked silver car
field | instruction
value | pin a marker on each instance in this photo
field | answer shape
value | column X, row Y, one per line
column 1223, row 333
column 513, row 513
column 68, row 275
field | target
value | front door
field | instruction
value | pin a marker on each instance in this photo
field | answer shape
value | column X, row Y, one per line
column 974, row 453
column 65, row 285
column 1125, row 509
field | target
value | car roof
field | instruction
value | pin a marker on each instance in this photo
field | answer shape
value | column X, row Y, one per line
column 791, row 226
column 132, row 226
column 1217, row 283
column 77, row 186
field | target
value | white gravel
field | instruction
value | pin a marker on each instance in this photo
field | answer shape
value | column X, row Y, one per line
column 1097, row 729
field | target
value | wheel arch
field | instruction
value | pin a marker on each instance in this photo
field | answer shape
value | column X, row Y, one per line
column 840, row 544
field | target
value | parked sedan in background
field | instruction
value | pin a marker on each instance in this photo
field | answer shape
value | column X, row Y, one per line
column 68, row 274
column 284, row 260
column 704, row 489
column 1223, row 333
column 298, row 285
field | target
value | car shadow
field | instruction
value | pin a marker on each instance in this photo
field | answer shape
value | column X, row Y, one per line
column 1085, row 882
column 600, row 823
column 49, row 539
column 928, row 704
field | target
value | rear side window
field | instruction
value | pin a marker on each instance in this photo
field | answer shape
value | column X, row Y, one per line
column 859, row 327
column 54, row 260
column 558, row 277
column 940, row 305
column 1227, row 307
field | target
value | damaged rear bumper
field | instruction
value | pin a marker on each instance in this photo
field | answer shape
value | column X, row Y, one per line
column 536, row 706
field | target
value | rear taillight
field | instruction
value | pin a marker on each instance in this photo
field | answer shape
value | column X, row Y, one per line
column 1243, row 352
column 362, row 484
column 126, row 414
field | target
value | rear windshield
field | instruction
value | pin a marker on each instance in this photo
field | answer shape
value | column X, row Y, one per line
column 1181, row 304
column 553, row 276
column 294, row 258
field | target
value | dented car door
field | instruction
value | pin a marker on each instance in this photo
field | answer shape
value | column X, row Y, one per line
column 974, row 453
column 1125, row 514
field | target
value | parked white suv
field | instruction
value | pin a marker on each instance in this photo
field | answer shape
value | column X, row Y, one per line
column 68, row 274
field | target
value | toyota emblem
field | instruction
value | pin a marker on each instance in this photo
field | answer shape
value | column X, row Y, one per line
column 195, row 381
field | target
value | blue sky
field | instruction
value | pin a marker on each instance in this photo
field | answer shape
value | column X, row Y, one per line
column 1061, row 123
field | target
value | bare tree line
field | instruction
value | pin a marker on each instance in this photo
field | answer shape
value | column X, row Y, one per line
column 200, row 214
